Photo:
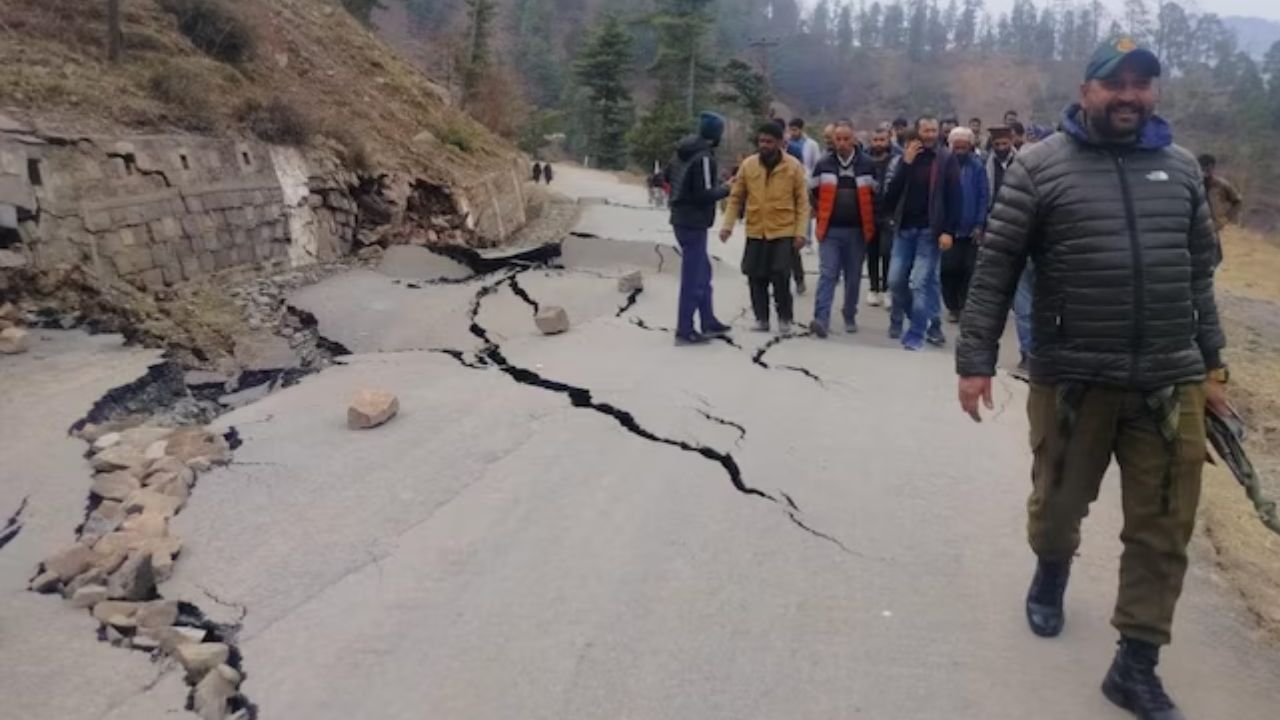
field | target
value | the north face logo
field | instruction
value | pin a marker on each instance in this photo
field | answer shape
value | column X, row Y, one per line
column 1158, row 176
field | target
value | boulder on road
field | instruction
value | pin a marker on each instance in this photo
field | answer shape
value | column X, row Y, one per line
column 147, row 500
column 157, row 614
column 119, row 613
column 214, row 692
column 105, row 441
column 14, row 340
column 552, row 320
column 631, row 282
column 88, row 596
column 371, row 408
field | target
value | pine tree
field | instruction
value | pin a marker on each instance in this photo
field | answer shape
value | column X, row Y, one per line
column 602, row 69
column 844, row 31
column 918, row 30
column 892, row 32
column 1006, row 41
column 749, row 90
column 820, row 22
column 683, row 66
column 1271, row 68
column 1138, row 17
column 537, row 60
column 967, row 25
column 475, row 60
column 869, row 25
column 1046, row 36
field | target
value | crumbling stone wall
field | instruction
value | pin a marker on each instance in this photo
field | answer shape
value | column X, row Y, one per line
column 155, row 211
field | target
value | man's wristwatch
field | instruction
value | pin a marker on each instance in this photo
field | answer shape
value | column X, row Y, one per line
column 1220, row 375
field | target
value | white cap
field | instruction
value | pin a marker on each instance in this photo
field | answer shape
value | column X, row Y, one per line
column 961, row 133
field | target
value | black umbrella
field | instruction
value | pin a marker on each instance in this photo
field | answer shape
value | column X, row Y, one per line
column 1226, row 434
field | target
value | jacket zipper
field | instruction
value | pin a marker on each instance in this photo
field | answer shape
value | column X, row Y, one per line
column 1139, row 280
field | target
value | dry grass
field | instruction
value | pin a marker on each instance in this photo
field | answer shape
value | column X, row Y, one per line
column 309, row 53
column 1249, row 301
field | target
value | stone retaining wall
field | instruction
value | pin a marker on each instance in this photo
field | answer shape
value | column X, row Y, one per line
column 155, row 211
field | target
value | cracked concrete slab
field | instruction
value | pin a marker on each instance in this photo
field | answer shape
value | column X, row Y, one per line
column 54, row 666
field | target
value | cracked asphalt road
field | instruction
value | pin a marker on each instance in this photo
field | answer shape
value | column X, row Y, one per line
column 503, row 549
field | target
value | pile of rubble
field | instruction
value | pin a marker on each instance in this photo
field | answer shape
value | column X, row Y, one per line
column 143, row 476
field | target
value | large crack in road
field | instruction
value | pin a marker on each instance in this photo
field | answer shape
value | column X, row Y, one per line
column 490, row 355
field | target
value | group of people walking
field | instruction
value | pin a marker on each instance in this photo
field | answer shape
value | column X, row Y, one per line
column 1102, row 236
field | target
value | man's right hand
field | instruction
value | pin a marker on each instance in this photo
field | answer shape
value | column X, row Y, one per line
column 913, row 149
column 724, row 235
column 973, row 389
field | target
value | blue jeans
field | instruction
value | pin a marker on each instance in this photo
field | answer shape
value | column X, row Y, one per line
column 1022, row 308
column 695, row 281
column 840, row 253
column 914, row 282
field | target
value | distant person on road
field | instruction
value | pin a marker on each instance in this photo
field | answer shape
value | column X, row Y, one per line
column 958, row 262
column 1224, row 200
column 1128, row 349
column 546, row 172
column 1019, row 134
column 881, row 244
column 844, row 202
column 975, row 124
column 1010, row 117
column 806, row 150
column 900, row 128
column 537, row 172
column 695, row 190
column 657, row 183
column 998, row 162
column 772, row 191
column 948, row 124
column 923, row 190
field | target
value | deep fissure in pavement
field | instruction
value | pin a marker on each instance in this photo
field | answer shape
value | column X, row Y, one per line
column 758, row 358
column 13, row 525
column 631, row 300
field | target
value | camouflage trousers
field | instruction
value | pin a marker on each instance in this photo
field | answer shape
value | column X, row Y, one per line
column 1160, row 459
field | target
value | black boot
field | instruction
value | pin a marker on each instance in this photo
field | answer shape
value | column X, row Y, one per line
column 1133, row 685
column 1044, row 599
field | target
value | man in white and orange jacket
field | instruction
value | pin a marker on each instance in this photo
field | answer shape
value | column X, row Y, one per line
column 844, row 189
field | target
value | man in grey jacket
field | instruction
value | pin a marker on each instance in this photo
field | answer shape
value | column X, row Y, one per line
column 1126, row 353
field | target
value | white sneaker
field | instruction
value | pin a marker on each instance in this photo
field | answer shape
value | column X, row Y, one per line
column 873, row 299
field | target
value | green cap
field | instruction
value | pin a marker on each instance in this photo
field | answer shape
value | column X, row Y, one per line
column 1111, row 53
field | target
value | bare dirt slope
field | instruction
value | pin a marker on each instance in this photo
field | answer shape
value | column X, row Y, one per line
column 1249, row 300
column 350, row 89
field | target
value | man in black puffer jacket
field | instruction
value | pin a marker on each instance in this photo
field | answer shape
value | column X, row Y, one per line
column 695, row 190
column 1126, row 353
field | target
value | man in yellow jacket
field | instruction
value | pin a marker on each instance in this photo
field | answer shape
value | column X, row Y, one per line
column 773, row 188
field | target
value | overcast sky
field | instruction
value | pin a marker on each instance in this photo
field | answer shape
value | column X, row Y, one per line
column 1257, row 8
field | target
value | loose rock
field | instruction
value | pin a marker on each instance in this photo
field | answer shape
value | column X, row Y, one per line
column 149, row 501
column 171, row 638
column 134, row 580
column 157, row 614
column 144, row 642
column 105, row 441
column 116, row 485
column 156, row 450
column 371, row 408
column 211, row 695
column 552, row 320
column 148, row 524
column 119, row 457
column 631, row 281
column 140, row 438
column 70, row 561
column 190, row 444
column 88, row 596
column 116, row 612
column 200, row 659
column 105, row 518
column 14, row 340
column 46, row 582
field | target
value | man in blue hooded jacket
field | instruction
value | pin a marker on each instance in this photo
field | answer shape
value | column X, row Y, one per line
column 695, row 190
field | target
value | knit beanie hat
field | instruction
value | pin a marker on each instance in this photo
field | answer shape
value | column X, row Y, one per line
column 710, row 126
